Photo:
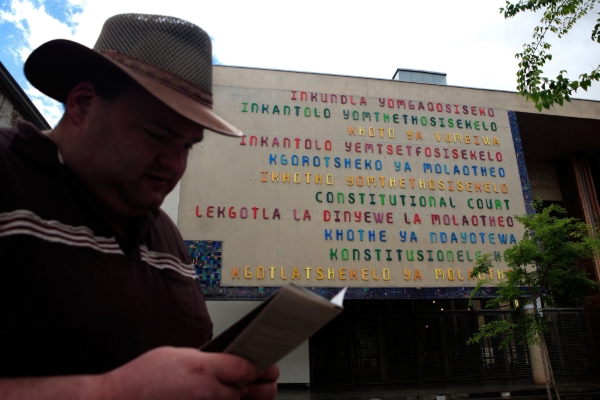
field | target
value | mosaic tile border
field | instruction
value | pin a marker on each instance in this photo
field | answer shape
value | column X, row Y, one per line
column 259, row 293
column 206, row 257
column 516, row 135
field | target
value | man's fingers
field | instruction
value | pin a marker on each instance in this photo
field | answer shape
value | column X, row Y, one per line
column 270, row 374
column 223, row 391
column 238, row 376
column 230, row 369
column 260, row 391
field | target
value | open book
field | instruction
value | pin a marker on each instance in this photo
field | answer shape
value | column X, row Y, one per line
column 276, row 327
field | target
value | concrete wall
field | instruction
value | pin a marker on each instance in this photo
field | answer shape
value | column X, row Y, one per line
column 171, row 203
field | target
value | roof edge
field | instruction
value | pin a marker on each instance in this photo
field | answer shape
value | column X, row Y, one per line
column 21, row 100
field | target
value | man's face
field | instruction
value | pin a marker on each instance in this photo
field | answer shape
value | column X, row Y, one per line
column 132, row 150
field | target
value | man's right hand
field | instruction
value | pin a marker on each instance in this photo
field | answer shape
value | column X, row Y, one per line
column 162, row 373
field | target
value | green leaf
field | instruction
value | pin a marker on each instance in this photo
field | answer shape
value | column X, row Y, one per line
column 558, row 17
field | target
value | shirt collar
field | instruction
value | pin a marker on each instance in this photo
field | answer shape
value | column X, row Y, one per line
column 30, row 142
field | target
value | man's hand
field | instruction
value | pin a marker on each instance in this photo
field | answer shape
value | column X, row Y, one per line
column 264, row 387
column 176, row 373
column 163, row 373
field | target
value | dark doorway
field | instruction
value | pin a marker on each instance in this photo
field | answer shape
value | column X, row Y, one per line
column 407, row 341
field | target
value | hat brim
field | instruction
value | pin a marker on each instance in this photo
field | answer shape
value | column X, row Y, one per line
column 57, row 66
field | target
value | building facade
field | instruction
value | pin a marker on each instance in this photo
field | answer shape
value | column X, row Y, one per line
column 393, row 189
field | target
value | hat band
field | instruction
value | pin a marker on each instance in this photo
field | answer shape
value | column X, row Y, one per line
column 161, row 75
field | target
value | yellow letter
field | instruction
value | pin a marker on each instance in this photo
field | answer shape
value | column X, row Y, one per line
column 439, row 272
column 450, row 274
column 386, row 274
column 375, row 278
column 330, row 273
column 295, row 274
column 319, row 273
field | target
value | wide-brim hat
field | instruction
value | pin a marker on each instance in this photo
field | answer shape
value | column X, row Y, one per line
column 169, row 57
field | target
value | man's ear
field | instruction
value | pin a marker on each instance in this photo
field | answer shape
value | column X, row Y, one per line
column 78, row 102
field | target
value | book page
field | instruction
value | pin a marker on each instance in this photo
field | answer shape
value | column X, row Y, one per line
column 283, row 322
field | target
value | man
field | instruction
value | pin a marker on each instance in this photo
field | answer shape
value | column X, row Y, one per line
column 96, row 281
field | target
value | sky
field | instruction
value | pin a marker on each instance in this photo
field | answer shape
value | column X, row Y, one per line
column 469, row 40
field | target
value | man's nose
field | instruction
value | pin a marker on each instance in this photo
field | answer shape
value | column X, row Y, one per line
column 174, row 158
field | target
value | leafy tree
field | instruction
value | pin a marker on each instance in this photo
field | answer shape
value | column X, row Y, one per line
column 542, row 267
column 559, row 16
